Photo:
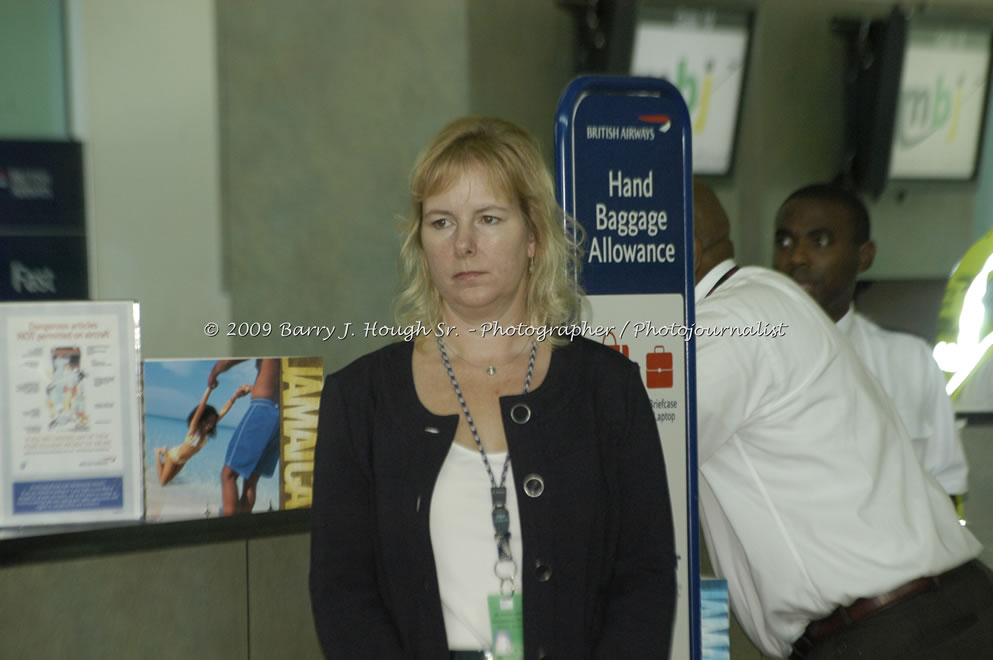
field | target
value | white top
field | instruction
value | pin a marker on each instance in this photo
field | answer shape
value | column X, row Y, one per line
column 810, row 493
column 464, row 548
column 903, row 365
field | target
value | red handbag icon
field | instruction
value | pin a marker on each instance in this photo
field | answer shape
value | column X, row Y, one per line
column 622, row 348
column 658, row 368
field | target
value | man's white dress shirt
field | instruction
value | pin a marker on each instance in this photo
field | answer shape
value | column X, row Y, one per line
column 810, row 493
column 903, row 365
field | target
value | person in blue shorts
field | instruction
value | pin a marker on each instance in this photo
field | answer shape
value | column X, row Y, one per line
column 253, row 450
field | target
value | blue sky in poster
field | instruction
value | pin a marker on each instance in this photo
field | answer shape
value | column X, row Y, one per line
column 173, row 387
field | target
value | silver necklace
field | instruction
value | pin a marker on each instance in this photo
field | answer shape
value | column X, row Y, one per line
column 491, row 369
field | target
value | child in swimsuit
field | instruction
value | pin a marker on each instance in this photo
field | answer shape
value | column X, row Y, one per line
column 202, row 422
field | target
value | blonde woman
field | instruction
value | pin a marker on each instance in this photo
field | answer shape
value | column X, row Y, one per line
column 492, row 487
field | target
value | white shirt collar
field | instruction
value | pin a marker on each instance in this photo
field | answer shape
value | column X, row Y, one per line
column 711, row 278
column 846, row 322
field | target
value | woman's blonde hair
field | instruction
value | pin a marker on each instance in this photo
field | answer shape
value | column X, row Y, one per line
column 513, row 161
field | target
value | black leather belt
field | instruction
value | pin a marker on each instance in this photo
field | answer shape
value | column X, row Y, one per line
column 860, row 609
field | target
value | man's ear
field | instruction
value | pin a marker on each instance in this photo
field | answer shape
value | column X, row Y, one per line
column 867, row 252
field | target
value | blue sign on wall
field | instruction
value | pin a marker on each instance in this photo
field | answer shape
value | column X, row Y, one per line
column 42, row 221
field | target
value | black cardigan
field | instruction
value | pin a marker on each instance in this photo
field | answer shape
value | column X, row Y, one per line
column 598, row 572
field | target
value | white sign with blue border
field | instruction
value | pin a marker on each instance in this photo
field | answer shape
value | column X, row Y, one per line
column 624, row 172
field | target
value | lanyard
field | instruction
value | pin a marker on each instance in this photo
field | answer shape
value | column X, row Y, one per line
column 498, row 493
column 724, row 278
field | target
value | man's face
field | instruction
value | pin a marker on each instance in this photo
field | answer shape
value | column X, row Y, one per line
column 815, row 245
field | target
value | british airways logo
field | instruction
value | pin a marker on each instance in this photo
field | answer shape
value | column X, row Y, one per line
column 638, row 132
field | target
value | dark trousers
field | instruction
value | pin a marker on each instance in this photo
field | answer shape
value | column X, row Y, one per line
column 953, row 621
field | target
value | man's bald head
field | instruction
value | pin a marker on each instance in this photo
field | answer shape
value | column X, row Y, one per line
column 711, row 230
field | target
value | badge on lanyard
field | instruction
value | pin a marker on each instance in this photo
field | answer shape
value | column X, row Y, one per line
column 506, row 626
column 506, row 619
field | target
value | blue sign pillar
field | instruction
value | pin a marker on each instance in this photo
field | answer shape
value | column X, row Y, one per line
column 623, row 172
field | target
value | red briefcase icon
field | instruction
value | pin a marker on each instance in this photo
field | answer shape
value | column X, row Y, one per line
column 659, row 368
column 623, row 348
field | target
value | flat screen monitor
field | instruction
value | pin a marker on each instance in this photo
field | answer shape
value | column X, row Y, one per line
column 703, row 52
column 942, row 102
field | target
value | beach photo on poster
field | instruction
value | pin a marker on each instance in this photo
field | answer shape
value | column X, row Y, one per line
column 173, row 391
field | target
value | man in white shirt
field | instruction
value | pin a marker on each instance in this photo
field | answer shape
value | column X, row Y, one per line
column 823, row 243
column 833, row 540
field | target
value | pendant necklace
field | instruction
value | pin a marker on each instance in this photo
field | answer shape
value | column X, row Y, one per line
column 491, row 369
column 498, row 493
